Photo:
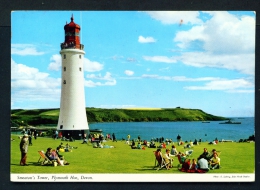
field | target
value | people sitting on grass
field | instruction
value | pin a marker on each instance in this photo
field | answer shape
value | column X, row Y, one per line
column 107, row 146
column 195, row 142
column 203, row 164
column 157, row 155
column 185, row 165
column 139, row 146
column 162, row 145
column 212, row 142
column 52, row 155
column 205, row 154
column 152, row 145
column 168, row 159
column 182, row 157
column 70, row 147
column 100, row 145
column 97, row 145
column 174, row 150
column 193, row 166
column 133, row 145
column 214, row 151
column 214, row 162
column 187, row 146
column 57, row 152
column 145, row 142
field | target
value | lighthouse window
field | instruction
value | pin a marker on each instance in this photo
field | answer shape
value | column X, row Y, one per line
column 61, row 126
column 64, row 82
column 64, row 56
column 64, row 68
column 80, row 69
column 80, row 56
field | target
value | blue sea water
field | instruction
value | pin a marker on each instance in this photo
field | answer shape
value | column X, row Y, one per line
column 187, row 130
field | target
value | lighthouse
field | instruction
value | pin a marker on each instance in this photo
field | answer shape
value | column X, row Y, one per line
column 72, row 118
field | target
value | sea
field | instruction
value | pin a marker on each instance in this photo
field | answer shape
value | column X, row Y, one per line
column 189, row 131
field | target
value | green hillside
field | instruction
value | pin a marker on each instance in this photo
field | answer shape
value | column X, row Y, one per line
column 21, row 117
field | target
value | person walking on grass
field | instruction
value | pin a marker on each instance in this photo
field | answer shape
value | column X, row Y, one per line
column 24, row 149
column 114, row 137
column 30, row 140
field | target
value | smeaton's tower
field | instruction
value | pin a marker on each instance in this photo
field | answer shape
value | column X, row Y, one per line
column 72, row 119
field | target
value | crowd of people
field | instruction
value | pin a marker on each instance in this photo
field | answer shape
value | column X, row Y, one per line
column 205, row 162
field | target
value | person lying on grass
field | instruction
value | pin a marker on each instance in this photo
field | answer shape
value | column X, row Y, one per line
column 69, row 147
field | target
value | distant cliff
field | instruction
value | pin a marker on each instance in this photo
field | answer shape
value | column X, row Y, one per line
column 22, row 117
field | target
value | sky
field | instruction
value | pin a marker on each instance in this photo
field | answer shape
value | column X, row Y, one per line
column 139, row 59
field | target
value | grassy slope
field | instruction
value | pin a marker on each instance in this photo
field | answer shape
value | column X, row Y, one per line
column 123, row 159
column 44, row 116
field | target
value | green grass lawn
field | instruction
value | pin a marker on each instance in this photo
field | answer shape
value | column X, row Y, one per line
column 235, row 158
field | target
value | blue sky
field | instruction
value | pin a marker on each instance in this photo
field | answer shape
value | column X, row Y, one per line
column 135, row 59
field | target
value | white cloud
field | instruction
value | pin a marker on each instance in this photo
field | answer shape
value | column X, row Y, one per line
column 156, row 77
column 225, row 41
column 183, row 78
column 243, row 63
column 163, row 59
column 215, row 83
column 142, row 39
column 110, row 81
column 117, row 57
column 165, row 69
column 89, row 66
column 187, row 37
column 92, row 66
column 25, row 49
column 129, row 59
column 180, row 78
column 129, row 73
column 175, row 17
column 55, row 63
column 30, row 83
column 233, row 85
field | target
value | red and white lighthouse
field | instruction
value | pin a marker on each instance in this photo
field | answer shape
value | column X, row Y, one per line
column 73, row 118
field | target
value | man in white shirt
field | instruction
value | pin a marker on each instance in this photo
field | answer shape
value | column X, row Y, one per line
column 203, row 164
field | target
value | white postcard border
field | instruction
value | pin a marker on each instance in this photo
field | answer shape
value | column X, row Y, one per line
column 234, row 177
